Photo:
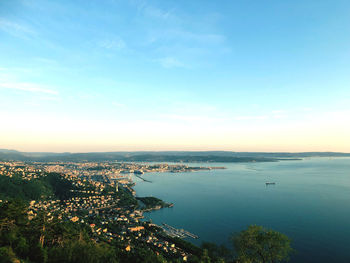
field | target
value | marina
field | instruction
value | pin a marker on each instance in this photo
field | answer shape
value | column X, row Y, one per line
column 174, row 232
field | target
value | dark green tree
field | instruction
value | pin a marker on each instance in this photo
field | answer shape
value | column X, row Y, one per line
column 7, row 255
column 217, row 253
column 205, row 257
column 260, row 245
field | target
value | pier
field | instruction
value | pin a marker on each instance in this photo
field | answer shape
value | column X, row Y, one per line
column 174, row 232
column 145, row 180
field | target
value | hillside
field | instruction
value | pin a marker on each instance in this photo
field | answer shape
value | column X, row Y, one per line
column 165, row 156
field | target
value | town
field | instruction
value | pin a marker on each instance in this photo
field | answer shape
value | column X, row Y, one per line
column 100, row 195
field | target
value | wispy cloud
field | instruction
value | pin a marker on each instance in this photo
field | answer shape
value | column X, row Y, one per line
column 12, row 79
column 208, row 39
column 118, row 105
column 150, row 11
column 278, row 111
column 157, row 13
column 113, row 43
column 279, row 114
column 28, row 87
column 16, row 29
column 177, row 39
column 244, row 118
column 189, row 118
column 170, row 62
column 45, row 60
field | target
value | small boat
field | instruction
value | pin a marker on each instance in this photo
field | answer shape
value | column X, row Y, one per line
column 270, row 183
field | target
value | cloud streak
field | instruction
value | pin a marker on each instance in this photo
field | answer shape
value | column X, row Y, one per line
column 16, row 29
column 115, row 43
column 170, row 62
column 154, row 12
column 28, row 87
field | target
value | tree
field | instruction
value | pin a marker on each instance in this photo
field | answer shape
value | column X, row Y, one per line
column 205, row 257
column 217, row 253
column 7, row 255
column 260, row 245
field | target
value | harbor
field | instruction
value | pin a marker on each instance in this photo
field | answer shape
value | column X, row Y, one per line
column 174, row 232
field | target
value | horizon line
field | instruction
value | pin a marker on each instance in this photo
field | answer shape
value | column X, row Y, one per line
column 155, row 151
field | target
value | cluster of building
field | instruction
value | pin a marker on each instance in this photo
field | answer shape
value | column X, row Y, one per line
column 27, row 172
column 88, row 169
column 94, row 200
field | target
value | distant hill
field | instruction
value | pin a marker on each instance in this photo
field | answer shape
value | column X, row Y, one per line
column 164, row 156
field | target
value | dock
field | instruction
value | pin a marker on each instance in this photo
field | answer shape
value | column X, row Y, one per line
column 174, row 232
column 140, row 177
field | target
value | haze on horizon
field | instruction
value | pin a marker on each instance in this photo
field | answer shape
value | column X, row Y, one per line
column 130, row 75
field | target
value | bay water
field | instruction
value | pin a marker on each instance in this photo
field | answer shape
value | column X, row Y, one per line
column 310, row 203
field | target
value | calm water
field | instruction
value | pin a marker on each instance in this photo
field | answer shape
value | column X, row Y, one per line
column 310, row 203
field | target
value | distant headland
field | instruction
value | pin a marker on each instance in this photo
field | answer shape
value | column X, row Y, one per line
column 164, row 156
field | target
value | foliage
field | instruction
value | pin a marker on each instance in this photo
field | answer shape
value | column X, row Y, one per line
column 7, row 255
column 61, row 187
column 126, row 198
column 35, row 189
column 41, row 240
column 151, row 202
column 217, row 253
column 15, row 187
column 260, row 245
column 140, row 255
column 82, row 251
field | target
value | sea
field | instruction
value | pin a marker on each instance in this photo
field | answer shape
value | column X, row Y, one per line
column 310, row 203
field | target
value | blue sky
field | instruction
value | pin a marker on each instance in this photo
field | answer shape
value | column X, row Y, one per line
column 157, row 75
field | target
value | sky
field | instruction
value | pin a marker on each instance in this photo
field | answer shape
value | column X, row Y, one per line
column 235, row 75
